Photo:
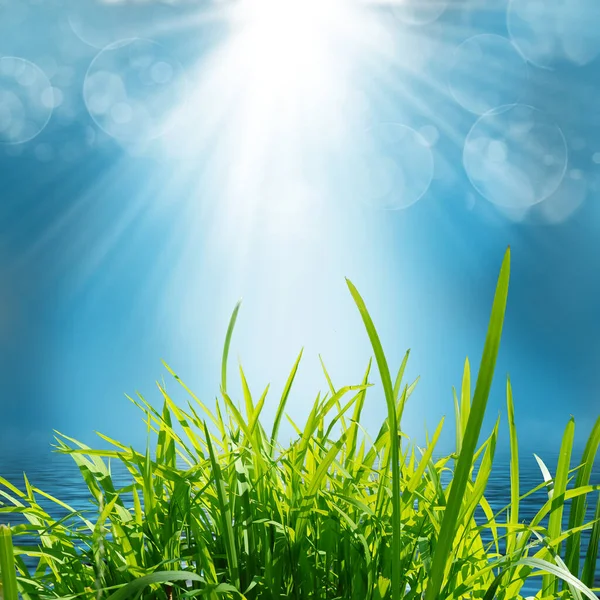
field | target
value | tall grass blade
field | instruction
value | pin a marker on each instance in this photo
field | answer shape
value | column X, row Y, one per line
column 8, row 574
column 228, row 337
column 482, row 389
column 224, row 512
column 465, row 395
column 283, row 401
column 578, row 506
column 388, row 389
column 550, row 583
column 514, row 468
column 591, row 555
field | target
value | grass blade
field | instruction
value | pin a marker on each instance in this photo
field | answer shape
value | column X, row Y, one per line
column 134, row 588
column 225, row 513
column 284, row 398
column 591, row 556
column 514, row 468
column 388, row 389
column 482, row 389
column 578, row 506
column 8, row 574
column 465, row 396
column 228, row 337
column 550, row 583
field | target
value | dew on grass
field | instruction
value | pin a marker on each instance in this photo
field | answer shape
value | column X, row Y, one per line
column 515, row 156
column 487, row 72
column 395, row 166
column 23, row 110
column 131, row 89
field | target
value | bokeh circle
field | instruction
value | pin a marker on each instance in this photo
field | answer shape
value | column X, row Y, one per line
column 515, row 156
column 101, row 23
column 565, row 201
column 132, row 88
column 578, row 28
column 395, row 166
column 24, row 111
column 550, row 31
column 487, row 72
column 418, row 12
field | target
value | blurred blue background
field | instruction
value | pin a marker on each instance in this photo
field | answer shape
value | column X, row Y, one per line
column 160, row 160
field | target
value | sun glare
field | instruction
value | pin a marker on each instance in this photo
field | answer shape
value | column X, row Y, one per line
column 284, row 36
column 291, row 55
column 282, row 76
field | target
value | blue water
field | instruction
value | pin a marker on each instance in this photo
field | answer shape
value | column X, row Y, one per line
column 58, row 476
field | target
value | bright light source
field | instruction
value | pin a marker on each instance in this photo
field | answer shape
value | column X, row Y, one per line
column 289, row 53
column 288, row 39
column 271, row 97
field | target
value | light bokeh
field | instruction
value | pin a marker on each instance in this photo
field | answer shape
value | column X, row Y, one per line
column 554, row 31
column 515, row 156
column 131, row 88
column 170, row 157
column 26, row 100
column 487, row 72
column 395, row 166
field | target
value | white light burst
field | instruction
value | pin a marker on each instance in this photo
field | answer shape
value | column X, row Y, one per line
column 276, row 100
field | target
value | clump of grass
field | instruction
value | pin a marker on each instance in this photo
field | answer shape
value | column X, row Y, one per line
column 8, row 579
column 220, row 509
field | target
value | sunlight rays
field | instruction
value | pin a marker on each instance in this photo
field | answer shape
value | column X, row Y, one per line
column 262, row 113
column 289, row 78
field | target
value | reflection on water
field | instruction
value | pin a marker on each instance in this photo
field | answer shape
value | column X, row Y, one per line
column 57, row 475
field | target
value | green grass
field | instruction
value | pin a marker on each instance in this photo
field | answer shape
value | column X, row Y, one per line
column 218, row 508
column 8, row 579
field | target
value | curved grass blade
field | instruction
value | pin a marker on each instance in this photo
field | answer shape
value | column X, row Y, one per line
column 400, row 375
column 284, row 398
column 560, row 573
column 388, row 389
column 445, row 541
column 548, row 479
column 230, row 329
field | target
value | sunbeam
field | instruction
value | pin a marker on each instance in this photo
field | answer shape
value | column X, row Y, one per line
column 178, row 154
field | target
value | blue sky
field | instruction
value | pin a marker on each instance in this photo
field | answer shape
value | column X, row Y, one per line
column 275, row 149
